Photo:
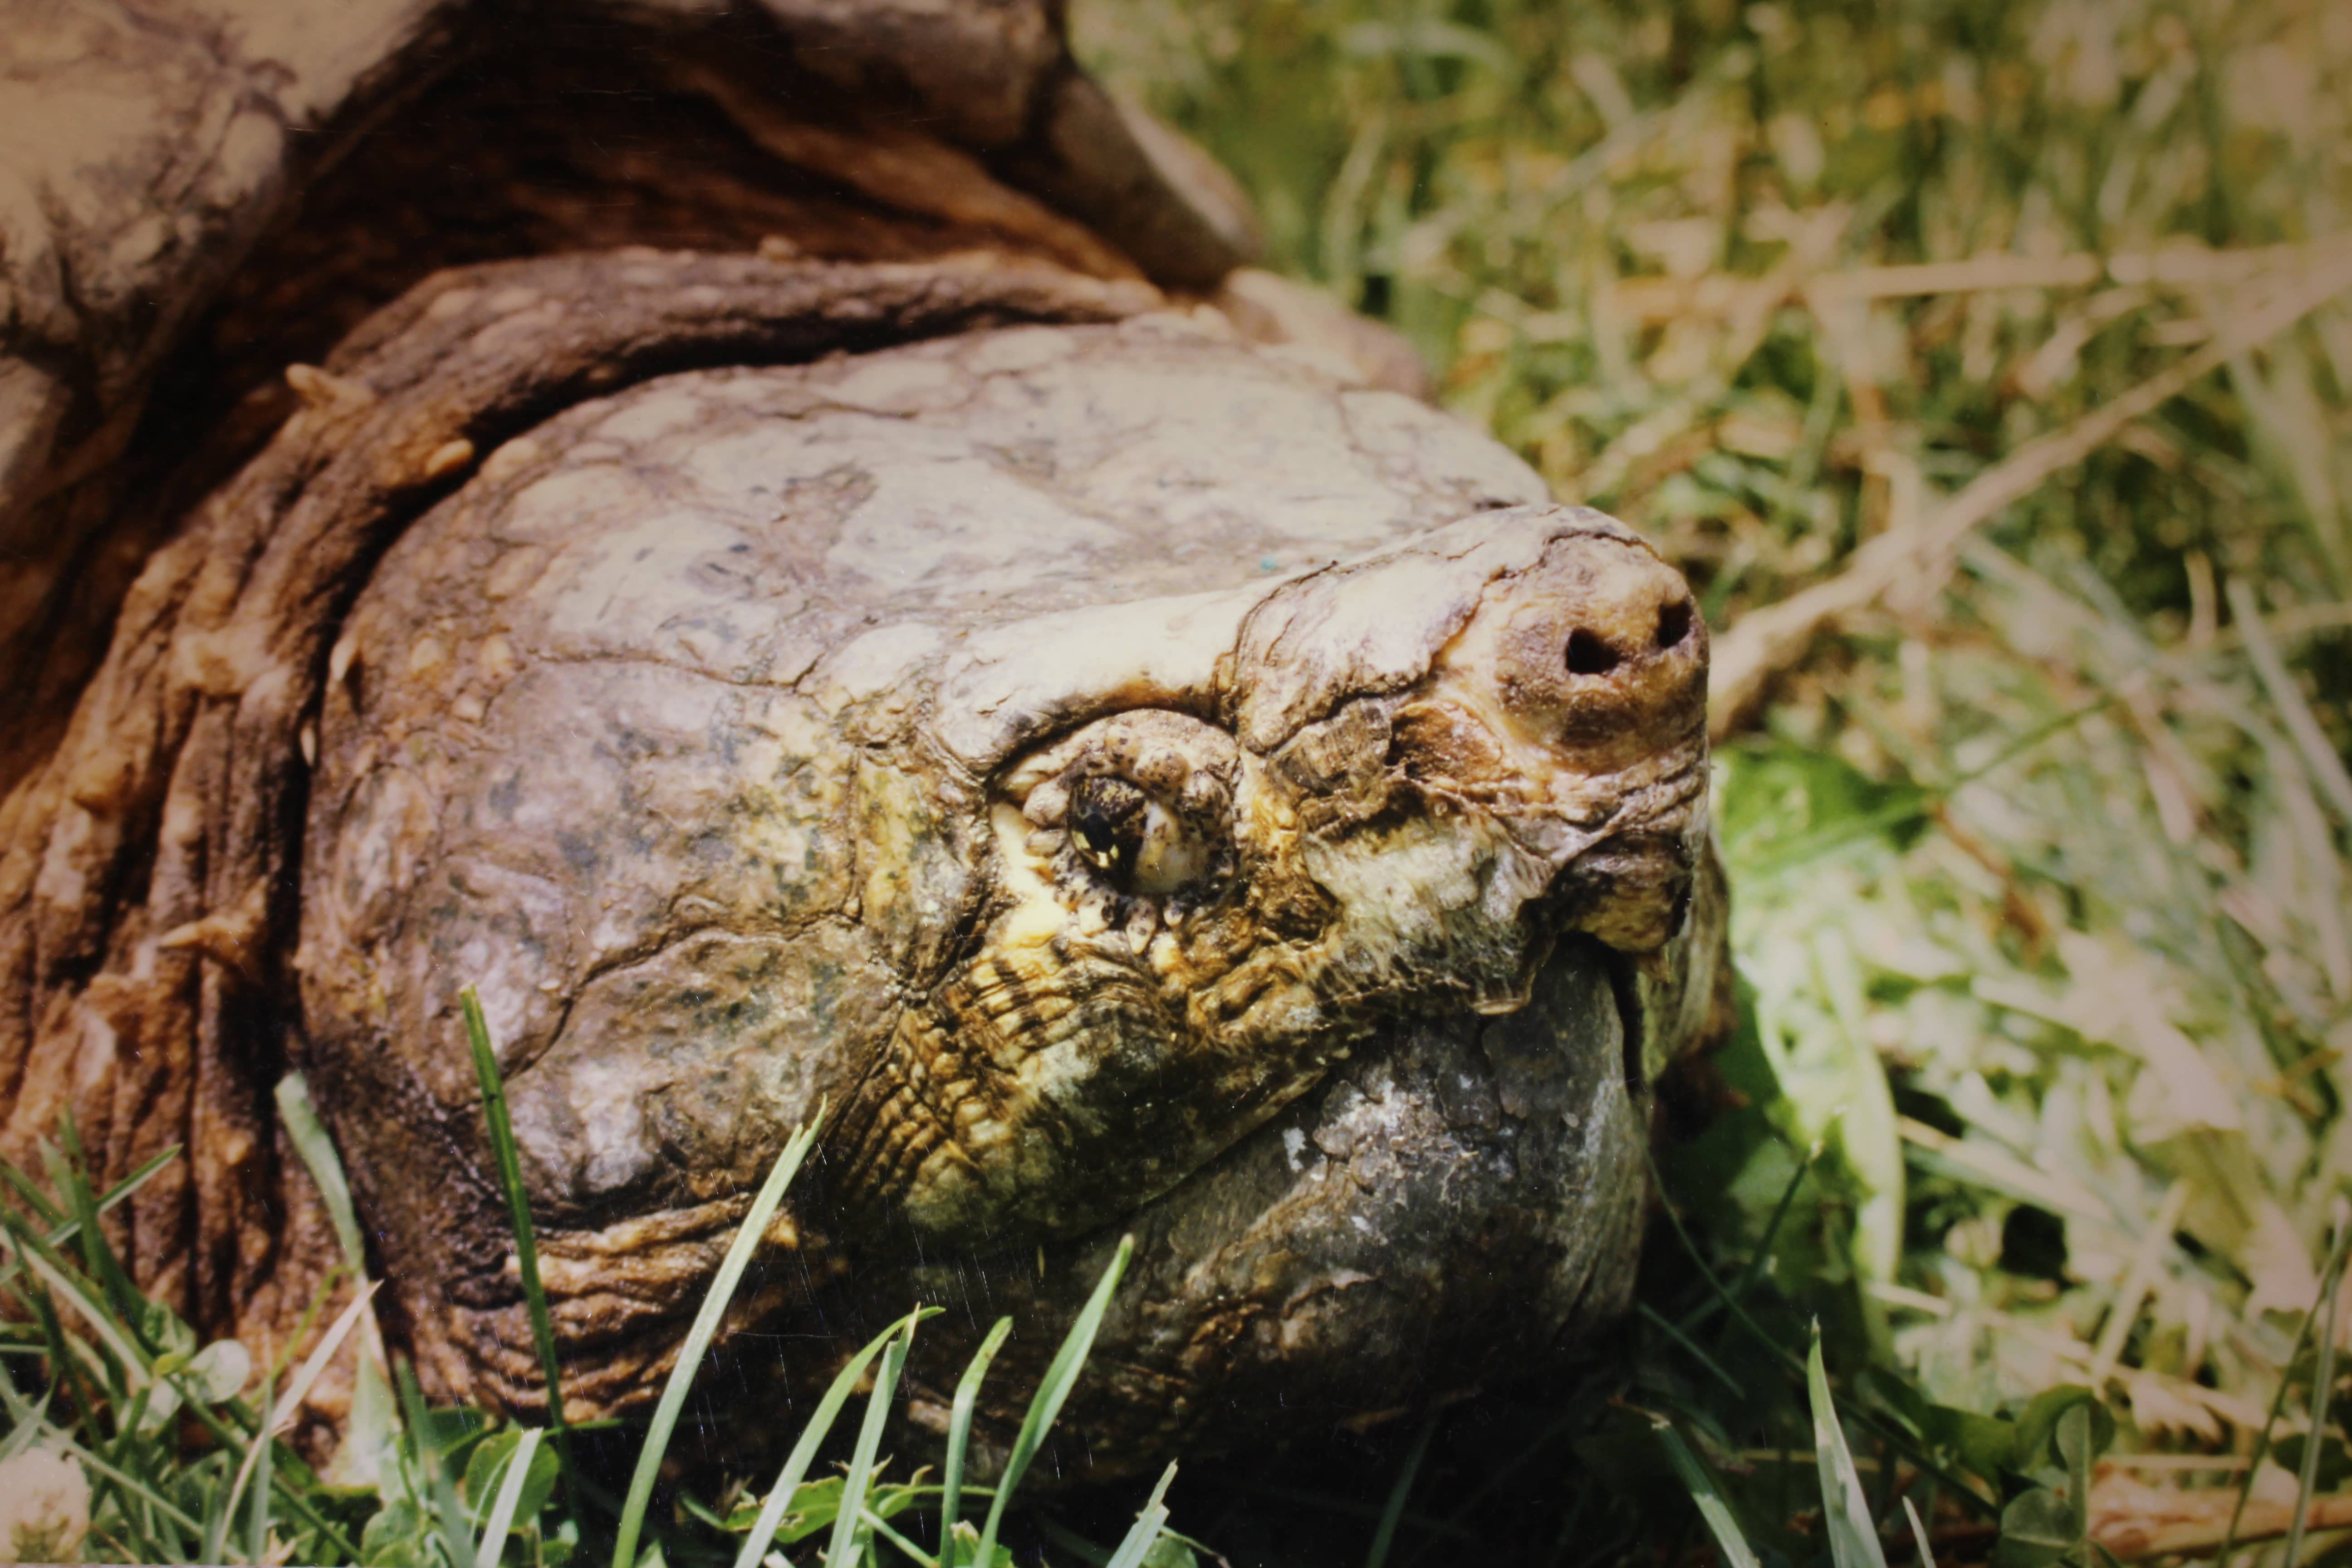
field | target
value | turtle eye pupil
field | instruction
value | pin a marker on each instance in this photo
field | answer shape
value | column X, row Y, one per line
column 1095, row 838
column 1107, row 819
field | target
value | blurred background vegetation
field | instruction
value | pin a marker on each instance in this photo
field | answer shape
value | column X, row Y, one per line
column 1987, row 365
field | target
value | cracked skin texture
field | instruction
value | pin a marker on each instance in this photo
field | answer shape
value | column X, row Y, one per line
column 1141, row 783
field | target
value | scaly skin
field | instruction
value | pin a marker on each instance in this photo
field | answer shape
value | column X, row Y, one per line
column 1112, row 1031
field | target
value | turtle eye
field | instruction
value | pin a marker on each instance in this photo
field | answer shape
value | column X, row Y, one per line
column 1138, row 805
column 1107, row 819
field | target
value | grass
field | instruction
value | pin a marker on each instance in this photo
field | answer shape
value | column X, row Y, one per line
column 95, row 1467
column 1989, row 367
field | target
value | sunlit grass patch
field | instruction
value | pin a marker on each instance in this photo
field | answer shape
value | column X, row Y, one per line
column 127, row 1442
column 1989, row 367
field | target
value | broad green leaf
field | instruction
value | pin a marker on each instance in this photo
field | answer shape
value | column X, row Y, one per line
column 484, row 1467
column 2335, row 1460
column 398, row 1533
column 2073, row 1443
column 155, row 1406
column 219, row 1372
column 1171, row 1552
column 965, row 1553
column 2037, row 1528
column 1984, row 1444
column 2037, row 1425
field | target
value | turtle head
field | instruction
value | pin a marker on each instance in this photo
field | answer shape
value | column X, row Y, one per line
column 1386, row 788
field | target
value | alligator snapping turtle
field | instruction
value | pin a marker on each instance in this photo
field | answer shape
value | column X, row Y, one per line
column 1142, row 780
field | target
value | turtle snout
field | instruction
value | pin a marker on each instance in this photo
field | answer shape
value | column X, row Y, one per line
column 1571, row 709
column 1589, row 663
column 1599, row 654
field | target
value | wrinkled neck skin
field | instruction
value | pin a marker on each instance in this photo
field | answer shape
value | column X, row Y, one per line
column 1383, row 790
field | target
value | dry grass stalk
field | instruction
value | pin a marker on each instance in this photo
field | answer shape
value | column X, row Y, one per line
column 1767, row 641
column 1653, row 301
column 2135, row 1522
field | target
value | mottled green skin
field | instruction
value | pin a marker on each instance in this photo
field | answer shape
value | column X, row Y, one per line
column 727, row 735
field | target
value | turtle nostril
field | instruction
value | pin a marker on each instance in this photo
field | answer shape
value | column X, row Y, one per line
column 1674, row 623
column 1589, row 654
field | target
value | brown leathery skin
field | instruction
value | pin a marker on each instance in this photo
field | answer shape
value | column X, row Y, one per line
column 1094, row 760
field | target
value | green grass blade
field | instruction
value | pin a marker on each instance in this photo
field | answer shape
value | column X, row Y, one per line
column 1760, row 1258
column 26, row 1421
column 2332, row 1268
column 2323, row 1388
column 967, row 1399
column 1918, row 1533
column 1699, row 1478
column 812, row 1436
column 257, row 1548
column 1393, row 1511
column 841, row 1552
column 699, row 1337
column 502, row 1142
column 883, row 1528
column 1061, row 1376
column 71, row 1176
column 282, row 1415
column 1918, row 1455
column 1690, row 1348
column 63, row 1281
column 220, row 1517
column 501, row 1524
column 456, row 1539
column 134, row 1486
column 115, row 1194
column 298, row 1115
column 47, row 1212
column 1149, row 1523
column 1845, row 1507
column 373, row 1430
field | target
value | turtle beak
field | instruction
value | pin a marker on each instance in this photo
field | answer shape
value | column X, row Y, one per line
column 1571, row 708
